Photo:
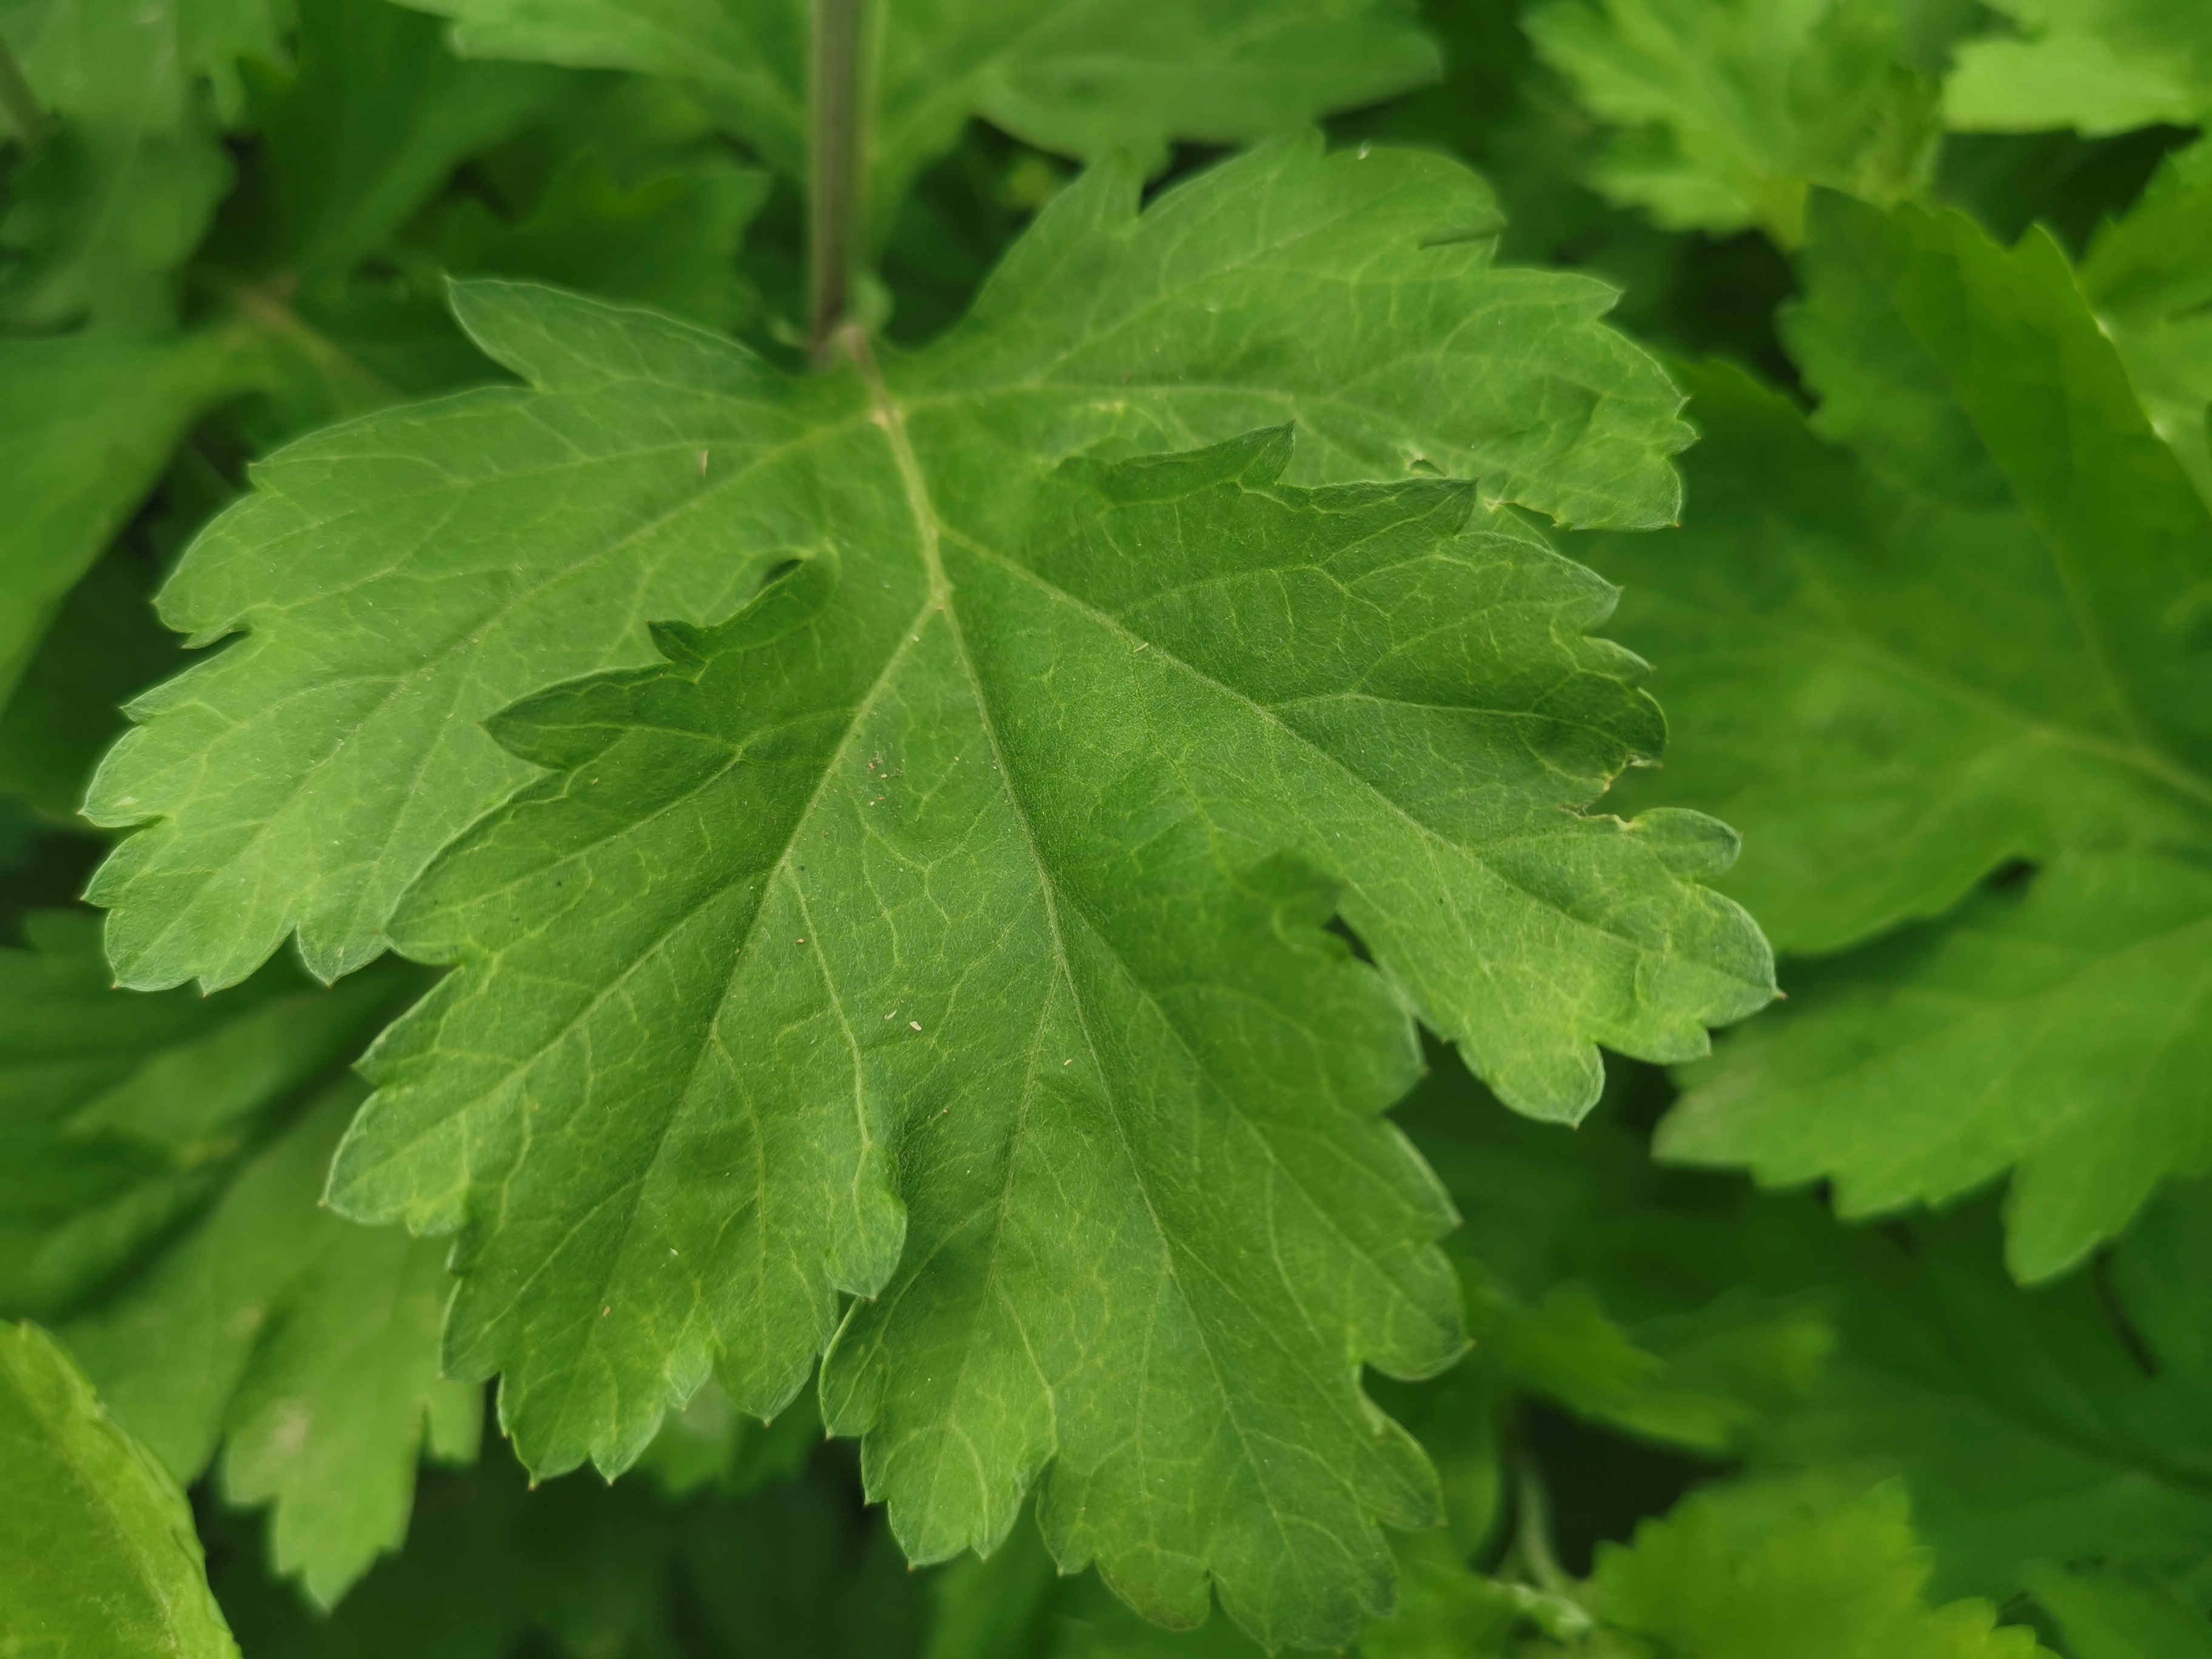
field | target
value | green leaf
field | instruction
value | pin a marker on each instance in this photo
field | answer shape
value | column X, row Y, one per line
column 2105, row 1614
column 1081, row 77
column 2061, row 1424
column 1016, row 1605
column 494, row 1565
column 308, row 1345
column 100, row 1557
column 1550, row 1314
column 357, row 139
column 671, row 242
column 112, row 200
column 86, row 423
column 1063, row 951
column 105, row 644
column 388, row 164
column 1814, row 1564
column 1447, row 1612
column 1732, row 109
column 161, row 1204
column 2147, row 274
column 2058, row 1032
column 1983, row 641
column 711, row 1445
column 1075, row 998
column 306, row 776
column 124, row 1113
column 1848, row 671
column 992, row 1607
column 1805, row 1567
column 2099, row 66
column 368, row 127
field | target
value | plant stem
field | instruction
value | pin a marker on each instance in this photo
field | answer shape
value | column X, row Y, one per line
column 17, row 97
column 1533, row 1534
column 353, row 387
column 834, row 165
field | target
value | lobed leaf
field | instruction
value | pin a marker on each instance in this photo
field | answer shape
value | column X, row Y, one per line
column 1805, row 1567
column 1051, row 1015
column 1049, row 765
column 1970, row 646
column 1732, row 110
column 401, row 579
column 162, row 1206
column 944, row 928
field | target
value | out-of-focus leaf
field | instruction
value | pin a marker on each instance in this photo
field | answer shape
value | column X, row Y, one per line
column 2059, row 1424
column 2149, row 276
column 306, row 1345
column 711, row 1445
column 1814, row 1566
column 494, row 1566
column 2096, row 65
column 105, row 646
column 117, row 192
column 161, row 1166
column 1700, row 1377
column 2106, row 1614
column 98, row 1558
column 1807, row 1567
column 1085, row 78
column 1732, row 110
column 86, row 424
column 368, row 124
column 1980, row 639
column 671, row 241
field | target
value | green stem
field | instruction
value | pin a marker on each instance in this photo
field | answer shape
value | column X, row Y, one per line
column 1533, row 1534
column 18, row 100
column 834, row 164
column 354, row 386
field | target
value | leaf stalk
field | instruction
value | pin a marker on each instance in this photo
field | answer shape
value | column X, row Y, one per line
column 836, row 182
column 19, row 102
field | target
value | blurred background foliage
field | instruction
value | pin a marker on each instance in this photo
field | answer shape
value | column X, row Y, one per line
column 1682, row 1395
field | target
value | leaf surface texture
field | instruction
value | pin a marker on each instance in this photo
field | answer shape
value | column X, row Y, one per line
column 98, row 1556
column 944, row 928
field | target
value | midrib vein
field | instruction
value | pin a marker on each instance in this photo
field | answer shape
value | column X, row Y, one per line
column 888, row 414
